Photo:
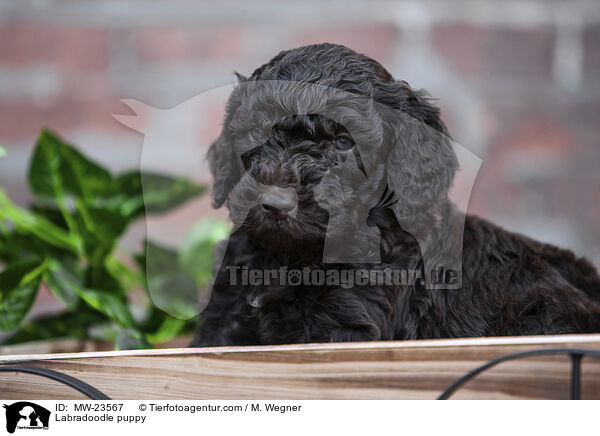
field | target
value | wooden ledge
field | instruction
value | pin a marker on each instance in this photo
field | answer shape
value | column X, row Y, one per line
column 359, row 370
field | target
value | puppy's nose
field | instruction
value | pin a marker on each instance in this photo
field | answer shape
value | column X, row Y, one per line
column 279, row 200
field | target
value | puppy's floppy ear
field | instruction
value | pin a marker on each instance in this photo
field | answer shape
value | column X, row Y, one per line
column 222, row 159
column 421, row 161
column 223, row 166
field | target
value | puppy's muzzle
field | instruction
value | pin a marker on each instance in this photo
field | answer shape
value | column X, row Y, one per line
column 276, row 201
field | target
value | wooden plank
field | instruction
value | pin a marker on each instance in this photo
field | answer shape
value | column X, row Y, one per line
column 369, row 370
column 76, row 346
column 55, row 346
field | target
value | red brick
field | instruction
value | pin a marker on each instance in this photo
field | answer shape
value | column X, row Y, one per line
column 522, row 140
column 496, row 50
column 377, row 41
column 596, row 203
column 86, row 86
column 164, row 45
column 591, row 45
column 533, row 133
column 66, row 47
column 21, row 120
column 210, row 129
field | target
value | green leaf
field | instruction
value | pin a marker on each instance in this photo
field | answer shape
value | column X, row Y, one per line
column 129, row 277
column 131, row 339
column 170, row 289
column 68, row 241
column 58, row 169
column 19, row 283
column 174, row 280
column 29, row 222
column 168, row 329
column 154, row 193
column 99, row 277
column 107, row 303
column 52, row 214
column 18, row 246
column 99, row 228
column 175, row 293
column 160, row 259
column 67, row 324
column 3, row 151
column 196, row 252
column 62, row 279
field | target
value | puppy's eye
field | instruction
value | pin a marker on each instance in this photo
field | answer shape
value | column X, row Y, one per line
column 343, row 143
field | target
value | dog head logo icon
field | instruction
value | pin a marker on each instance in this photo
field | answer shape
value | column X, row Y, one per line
column 26, row 415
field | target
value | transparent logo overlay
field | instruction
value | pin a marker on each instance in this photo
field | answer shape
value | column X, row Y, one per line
column 388, row 162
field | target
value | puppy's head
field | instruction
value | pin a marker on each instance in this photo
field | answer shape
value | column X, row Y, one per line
column 324, row 116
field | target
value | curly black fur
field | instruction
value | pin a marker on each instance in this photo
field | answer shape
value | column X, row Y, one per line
column 511, row 285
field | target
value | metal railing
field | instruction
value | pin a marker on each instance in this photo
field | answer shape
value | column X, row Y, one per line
column 576, row 355
column 87, row 390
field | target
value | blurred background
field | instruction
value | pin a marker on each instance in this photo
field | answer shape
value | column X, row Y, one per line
column 518, row 83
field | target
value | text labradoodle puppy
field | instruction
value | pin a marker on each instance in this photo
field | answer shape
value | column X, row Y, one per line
column 336, row 177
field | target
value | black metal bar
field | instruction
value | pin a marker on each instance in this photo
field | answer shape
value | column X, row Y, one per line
column 576, row 376
column 576, row 368
column 84, row 388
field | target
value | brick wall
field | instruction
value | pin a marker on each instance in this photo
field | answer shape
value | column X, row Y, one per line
column 518, row 81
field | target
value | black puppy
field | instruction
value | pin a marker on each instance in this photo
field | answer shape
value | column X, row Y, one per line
column 331, row 167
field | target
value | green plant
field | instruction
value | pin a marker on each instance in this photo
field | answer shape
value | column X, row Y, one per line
column 68, row 241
